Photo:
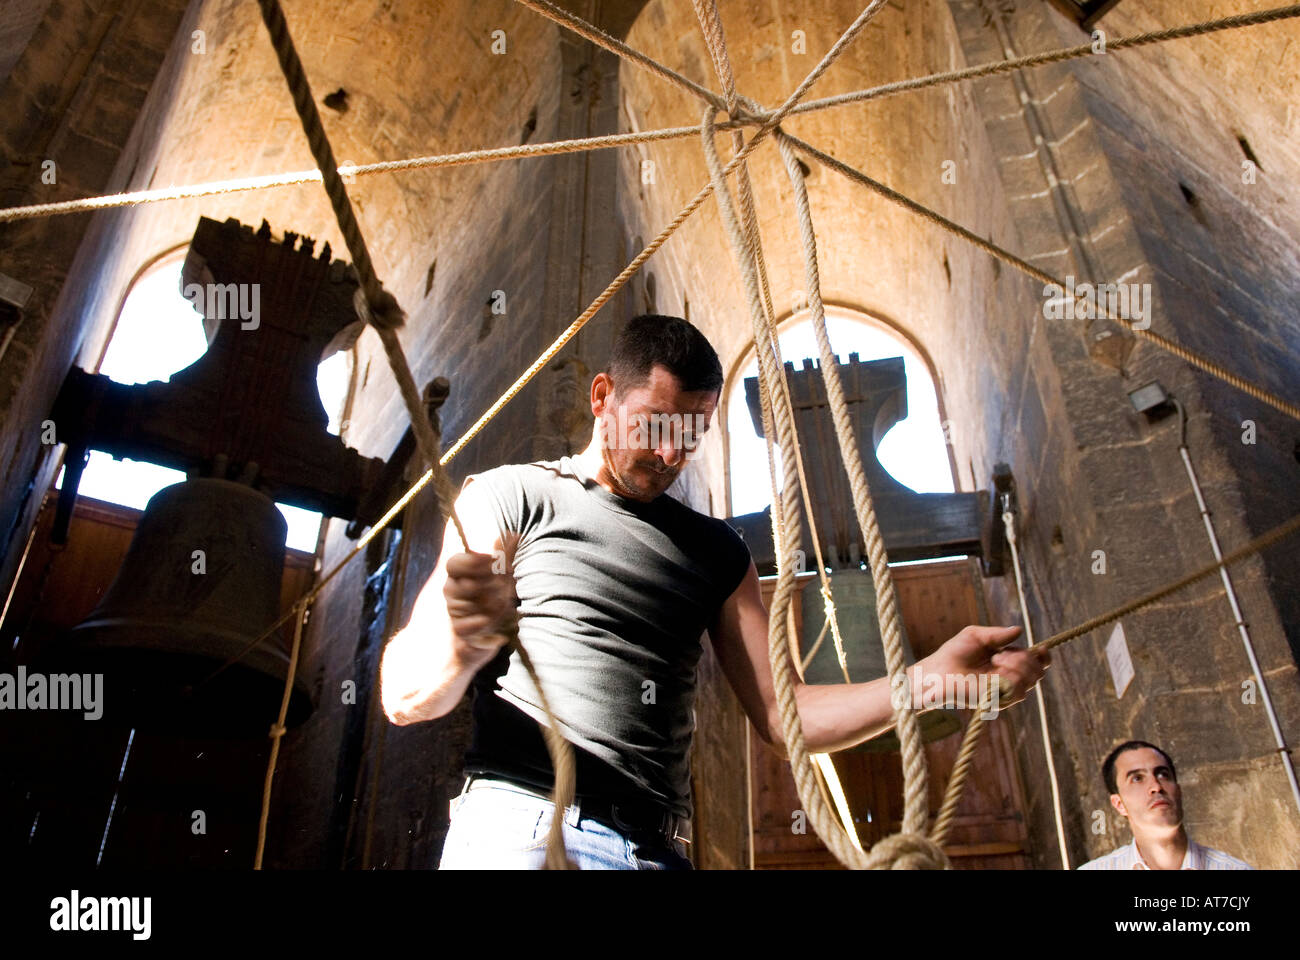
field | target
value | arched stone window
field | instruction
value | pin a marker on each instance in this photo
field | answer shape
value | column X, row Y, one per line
column 914, row 451
column 158, row 332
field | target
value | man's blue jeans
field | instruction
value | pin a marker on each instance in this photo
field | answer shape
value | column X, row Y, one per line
column 503, row 827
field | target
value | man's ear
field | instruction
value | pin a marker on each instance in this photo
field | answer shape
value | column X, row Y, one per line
column 1118, row 803
column 602, row 393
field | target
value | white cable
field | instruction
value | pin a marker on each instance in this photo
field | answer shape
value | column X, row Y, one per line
column 1009, row 521
column 1283, row 751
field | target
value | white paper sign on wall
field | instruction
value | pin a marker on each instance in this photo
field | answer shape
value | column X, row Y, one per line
column 1121, row 664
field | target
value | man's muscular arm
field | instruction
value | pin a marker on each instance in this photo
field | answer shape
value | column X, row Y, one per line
column 838, row 716
column 454, row 626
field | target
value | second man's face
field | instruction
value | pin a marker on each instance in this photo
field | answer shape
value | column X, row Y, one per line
column 1148, row 793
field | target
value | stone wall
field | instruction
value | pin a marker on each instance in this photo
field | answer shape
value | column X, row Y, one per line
column 1133, row 152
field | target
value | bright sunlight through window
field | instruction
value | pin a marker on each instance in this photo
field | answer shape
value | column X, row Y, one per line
column 913, row 452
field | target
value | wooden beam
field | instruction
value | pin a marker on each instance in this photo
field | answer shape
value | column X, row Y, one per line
column 1085, row 13
column 984, row 849
column 1094, row 11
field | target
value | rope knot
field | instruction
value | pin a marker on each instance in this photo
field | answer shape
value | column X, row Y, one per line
column 751, row 112
column 381, row 311
column 907, row 851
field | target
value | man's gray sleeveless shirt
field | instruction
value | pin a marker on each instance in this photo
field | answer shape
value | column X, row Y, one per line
column 615, row 596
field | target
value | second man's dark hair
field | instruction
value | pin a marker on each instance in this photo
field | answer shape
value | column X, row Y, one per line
column 1108, row 765
column 671, row 342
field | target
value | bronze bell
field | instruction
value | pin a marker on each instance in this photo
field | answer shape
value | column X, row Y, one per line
column 855, row 612
column 200, row 582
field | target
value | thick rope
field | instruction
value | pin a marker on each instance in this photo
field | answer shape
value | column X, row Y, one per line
column 778, row 638
column 1191, row 357
column 916, row 780
column 379, row 307
column 383, row 306
column 828, row 601
column 750, row 218
column 773, row 343
column 952, row 796
column 706, row 11
column 217, row 187
column 715, row 39
column 747, row 243
column 831, row 834
column 711, row 24
column 562, row 762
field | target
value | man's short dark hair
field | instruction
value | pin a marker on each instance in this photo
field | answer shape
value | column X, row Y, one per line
column 671, row 342
column 1108, row 765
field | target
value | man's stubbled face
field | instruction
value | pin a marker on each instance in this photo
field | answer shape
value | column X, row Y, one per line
column 650, row 432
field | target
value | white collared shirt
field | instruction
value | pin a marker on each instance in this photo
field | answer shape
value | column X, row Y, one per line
column 1197, row 857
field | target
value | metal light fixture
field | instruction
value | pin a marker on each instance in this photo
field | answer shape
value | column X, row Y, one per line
column 1151, row 399
column 14, row 296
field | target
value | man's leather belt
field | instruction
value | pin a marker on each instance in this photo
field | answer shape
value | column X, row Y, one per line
column 637, row 819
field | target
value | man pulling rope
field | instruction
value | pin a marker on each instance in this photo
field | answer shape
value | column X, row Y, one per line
column 615, row 581
column 625, row 786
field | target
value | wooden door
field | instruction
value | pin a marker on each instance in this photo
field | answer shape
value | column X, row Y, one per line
column 936, row 600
